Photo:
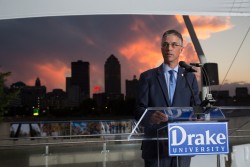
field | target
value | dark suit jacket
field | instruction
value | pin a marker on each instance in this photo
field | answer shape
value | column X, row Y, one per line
column 153, row 92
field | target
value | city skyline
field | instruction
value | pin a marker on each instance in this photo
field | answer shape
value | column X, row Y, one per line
column 36, row 47
column 80, row 75
column 38, row 82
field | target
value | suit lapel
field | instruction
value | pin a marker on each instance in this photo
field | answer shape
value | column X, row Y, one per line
column 163, row 84
column 179, row 80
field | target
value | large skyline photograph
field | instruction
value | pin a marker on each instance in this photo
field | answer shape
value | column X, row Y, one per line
column 44, row 47
column 124, row 83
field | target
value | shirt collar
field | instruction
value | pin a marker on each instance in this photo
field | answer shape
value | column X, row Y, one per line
column 166, row 68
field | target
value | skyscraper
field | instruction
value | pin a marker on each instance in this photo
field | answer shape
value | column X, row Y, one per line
column 79, row 81
column 112, row 76
column 33, row 97
column 131, row 88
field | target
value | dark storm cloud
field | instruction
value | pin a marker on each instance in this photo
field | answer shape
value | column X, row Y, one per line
column 68, row 35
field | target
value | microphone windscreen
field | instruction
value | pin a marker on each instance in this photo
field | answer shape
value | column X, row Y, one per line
column 183, row 64
column 187, row 67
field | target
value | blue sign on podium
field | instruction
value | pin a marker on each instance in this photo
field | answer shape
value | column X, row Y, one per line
column 198, row 138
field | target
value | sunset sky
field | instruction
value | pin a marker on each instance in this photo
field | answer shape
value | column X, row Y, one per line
column 45, row 47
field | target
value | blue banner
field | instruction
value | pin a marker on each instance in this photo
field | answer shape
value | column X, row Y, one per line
column 194, row 138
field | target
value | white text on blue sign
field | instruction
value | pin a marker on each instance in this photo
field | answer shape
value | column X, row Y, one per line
column 198, row 138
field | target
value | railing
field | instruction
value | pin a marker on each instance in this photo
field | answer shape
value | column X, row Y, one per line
column 93, row 150
column 239, row 133
column 88, row 150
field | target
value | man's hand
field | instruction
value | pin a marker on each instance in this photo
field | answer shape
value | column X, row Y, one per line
column 158, row 117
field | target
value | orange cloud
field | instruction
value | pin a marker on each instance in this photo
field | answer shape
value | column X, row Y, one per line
column 51, row 74
column 146, row 53
column 206, row 25
column 189, row 54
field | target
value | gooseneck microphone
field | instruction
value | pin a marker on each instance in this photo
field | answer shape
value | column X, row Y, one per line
column 187, row 67
column 197, row 109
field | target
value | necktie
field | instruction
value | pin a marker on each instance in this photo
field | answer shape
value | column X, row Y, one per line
column 172, row 84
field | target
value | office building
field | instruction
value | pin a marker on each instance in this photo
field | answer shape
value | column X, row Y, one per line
column 131, row 88
column 78, row 85
column 112, row 72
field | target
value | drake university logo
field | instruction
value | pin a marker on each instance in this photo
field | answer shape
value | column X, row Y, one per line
column 198, row 138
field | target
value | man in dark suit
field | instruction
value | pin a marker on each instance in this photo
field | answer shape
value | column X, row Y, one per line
column 156, row 90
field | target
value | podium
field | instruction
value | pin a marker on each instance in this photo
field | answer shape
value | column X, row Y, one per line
column 187, row 133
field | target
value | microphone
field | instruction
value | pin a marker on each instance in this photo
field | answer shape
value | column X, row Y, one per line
column 196, row 64
column 187, row 67
column 196, row 108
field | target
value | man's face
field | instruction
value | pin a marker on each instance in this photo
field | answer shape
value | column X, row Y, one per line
column 171, row 48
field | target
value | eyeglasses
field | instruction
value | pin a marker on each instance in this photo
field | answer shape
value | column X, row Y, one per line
column 173, row 45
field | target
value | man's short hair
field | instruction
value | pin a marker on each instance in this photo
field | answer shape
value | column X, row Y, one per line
column 173, row 32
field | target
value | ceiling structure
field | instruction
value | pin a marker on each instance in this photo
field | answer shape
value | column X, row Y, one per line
column 10, row 9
